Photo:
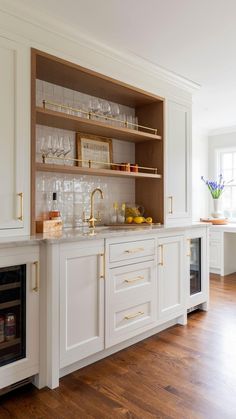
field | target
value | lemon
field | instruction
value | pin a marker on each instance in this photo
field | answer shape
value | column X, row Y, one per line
column 149, row 220
column 139, row 220
column 129, row 220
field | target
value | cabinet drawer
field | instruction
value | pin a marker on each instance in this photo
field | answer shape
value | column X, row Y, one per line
column 130, row 250
column 130, row 321
column 132, row 280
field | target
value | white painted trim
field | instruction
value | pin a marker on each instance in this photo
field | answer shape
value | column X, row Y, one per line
column 223, row 130
column 56, row 27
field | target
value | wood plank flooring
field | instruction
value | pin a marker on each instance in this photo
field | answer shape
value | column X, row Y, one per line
column 184, row 372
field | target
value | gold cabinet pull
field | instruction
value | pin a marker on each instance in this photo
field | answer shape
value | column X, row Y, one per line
column 132, row 316
column 171, row 204
column 138, row 278
column 161, row 262
column 21, row 195
column 102, row 270
column 189, row 254
column 36, row 287
column 137, row 250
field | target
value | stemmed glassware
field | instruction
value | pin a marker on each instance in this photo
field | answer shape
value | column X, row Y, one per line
column 55, row 147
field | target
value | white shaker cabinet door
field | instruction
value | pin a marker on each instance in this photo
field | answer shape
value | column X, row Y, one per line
column 14, row 103
column 171, row 277
column 178, row 182
column 81, row 302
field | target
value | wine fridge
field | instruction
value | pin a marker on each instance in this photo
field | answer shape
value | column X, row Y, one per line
column 12, row 314
column 195, row 266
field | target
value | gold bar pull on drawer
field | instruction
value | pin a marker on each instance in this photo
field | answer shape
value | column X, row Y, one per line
column 136, row 250
column 138, row 278
column 132, row 316
column 21, row 195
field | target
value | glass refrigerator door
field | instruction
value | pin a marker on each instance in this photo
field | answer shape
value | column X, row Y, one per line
column 195, row 266
column 12, row 314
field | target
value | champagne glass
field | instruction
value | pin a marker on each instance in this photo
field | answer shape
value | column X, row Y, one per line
column 115, row 112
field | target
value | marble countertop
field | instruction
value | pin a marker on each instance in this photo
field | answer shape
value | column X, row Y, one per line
column 226, row 228
column 73, row 235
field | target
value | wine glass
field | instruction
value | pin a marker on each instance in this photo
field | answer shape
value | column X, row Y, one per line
column 66, row 146
column 94, row 106
column 105, row 108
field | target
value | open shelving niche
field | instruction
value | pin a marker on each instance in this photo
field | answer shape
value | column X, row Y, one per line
column 149, row 108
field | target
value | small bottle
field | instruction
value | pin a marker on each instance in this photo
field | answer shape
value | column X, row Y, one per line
column 114, row 214
column 121, row 214
column 54, row 214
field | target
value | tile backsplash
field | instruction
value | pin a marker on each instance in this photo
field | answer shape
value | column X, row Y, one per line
column 73, row 194
column 73, row 191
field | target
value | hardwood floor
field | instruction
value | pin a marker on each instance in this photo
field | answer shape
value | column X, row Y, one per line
column 183, row 372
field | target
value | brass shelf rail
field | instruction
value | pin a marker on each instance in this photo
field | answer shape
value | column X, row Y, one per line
column 89, row 114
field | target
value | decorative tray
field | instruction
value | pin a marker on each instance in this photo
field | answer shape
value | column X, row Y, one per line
column 215, row 221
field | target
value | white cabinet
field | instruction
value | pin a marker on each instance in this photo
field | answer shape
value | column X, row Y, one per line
column 178, row 171
column 197, row 286
column 130, row 288
column 171, row 275
column 29, row 364
column 81, row 301
column 14, row 132
column 216, row 252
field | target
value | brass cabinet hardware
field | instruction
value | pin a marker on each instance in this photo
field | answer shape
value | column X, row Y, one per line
column 189, row 254
column 171, row 198
column 132, row 316
column 21, row 195
column 138, row 278
column 36, row 287
column 161, row 262
column 137, row 250
column 102, row 270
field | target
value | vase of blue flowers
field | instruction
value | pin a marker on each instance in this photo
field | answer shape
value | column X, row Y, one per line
column 216, row 189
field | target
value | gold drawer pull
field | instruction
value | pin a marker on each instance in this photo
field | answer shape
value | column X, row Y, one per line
column 171, row 205
column 102, row 270
column 36, row 288
column 138, row 278
column 21, row 195
column 161, row 263
column 189, row 246
column 137, row 250
column 132, row 316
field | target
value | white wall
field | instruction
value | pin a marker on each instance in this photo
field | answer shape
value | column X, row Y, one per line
column 199, row 167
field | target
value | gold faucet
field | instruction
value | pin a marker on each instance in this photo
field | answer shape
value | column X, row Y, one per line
column 92, row 219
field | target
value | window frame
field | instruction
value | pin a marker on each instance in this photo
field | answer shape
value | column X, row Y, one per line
column 218, row 158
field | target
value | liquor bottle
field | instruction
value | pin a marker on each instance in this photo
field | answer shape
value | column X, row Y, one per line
column 54, row 214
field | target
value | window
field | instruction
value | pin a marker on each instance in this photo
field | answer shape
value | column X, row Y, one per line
column 226, row 164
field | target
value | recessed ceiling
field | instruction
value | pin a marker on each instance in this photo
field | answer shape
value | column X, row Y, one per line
column 195, row 39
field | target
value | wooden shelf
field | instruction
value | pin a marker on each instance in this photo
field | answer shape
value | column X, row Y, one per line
column 8, row 344
column 74, row 123
column 10, row 286
column 44, row 167
column 10, row 304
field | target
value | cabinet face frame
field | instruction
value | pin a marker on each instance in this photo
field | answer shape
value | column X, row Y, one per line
column 148, row 106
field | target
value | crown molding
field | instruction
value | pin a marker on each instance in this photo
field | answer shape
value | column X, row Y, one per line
column 223, row 130
column 50, row 24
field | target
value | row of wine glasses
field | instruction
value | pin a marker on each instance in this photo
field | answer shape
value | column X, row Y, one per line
column 97, row 109
column 55, row 146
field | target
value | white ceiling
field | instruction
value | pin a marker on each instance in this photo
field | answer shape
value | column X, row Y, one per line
column 194, row 38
